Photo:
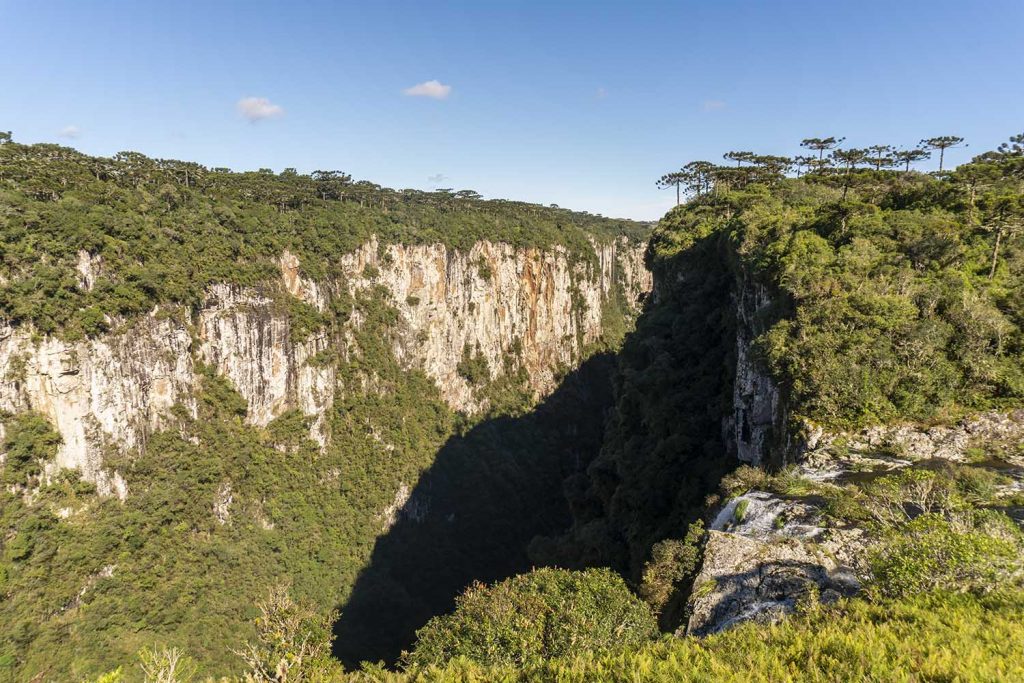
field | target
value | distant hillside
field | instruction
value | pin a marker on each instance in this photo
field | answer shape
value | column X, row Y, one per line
column 166, row 229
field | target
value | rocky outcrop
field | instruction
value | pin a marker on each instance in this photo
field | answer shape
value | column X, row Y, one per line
column 830, row 455
column 766, row 551
column 541, row 308
column 746, row 579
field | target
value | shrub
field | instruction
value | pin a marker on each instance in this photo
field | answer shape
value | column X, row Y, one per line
column 745, row 478
column 931, row 637
column 473, row 367
column 29, row 441
column 932, row 553
column 672, row 561
column 546, row 613
column 898, row 498
column 166, row 665
column 293, row 642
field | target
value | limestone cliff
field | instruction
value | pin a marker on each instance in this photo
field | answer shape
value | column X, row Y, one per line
column 107, row 395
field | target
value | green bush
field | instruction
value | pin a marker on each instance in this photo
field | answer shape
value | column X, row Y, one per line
column 673, row 562
column 473, row 367
column 931, row 553
column 928, row 637
column 29, row 442
column 546, row 613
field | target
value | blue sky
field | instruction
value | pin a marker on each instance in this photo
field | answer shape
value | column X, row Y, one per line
column 583, row 104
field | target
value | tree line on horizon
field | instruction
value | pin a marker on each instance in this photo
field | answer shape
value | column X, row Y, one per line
column 825, row 156
column 50, row 169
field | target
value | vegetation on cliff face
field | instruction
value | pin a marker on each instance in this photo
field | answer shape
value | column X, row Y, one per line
column 884, row 296
column 887, row 296
column 164, row 230
column 218, row 510
column 896, row 295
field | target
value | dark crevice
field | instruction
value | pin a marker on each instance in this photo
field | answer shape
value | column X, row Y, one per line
column 473, row 513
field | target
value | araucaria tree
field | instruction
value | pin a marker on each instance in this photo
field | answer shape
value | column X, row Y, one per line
column 1013, row 148
column 801, row 162
column 676, row 178
column 821, row 145
column 942, row 143
column 849, row 158
column 881, row 156
column 739, row 157
column 910, row 156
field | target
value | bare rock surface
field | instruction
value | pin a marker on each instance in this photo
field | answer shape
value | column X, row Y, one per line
column 110, row 393
column 766, row 551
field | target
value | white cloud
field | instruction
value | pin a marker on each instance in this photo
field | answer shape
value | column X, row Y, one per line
column 69, row 132
column 713, row 105
column 433, row 89
column 255, row 109
column 437, row 178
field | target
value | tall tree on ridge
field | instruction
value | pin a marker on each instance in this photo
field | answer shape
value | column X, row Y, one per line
column 739, row 157
column 699, row 176
column 666, row 181
column 1013, row 148
column 942, row 143
column 821, row 145
column 770, row 168
column 909, row 156
column 801, row 162
column 881, row 155
column 849, row 158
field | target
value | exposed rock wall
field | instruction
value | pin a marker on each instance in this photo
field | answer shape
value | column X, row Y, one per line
column 757, row 415
column 246, row 337
column 108, row 392
column 112, row 392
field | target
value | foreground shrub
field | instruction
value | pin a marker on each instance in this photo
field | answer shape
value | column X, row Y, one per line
column 673, row 562
column 293, row 642
column 546, row 613
column 929, row 637
column 931, row 552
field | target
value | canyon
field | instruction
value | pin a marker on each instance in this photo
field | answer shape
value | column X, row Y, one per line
column 534, row 309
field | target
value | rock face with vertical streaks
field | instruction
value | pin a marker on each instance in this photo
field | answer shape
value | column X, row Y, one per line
column 541, row 308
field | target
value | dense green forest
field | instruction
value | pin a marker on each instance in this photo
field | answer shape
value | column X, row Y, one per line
column 885, row 295
column 87, row 579
column 882, row 295
column 889, row 295
column 165, row 229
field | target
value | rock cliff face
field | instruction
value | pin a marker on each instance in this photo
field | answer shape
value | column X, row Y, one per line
column 109, row 394
column 757, row 414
